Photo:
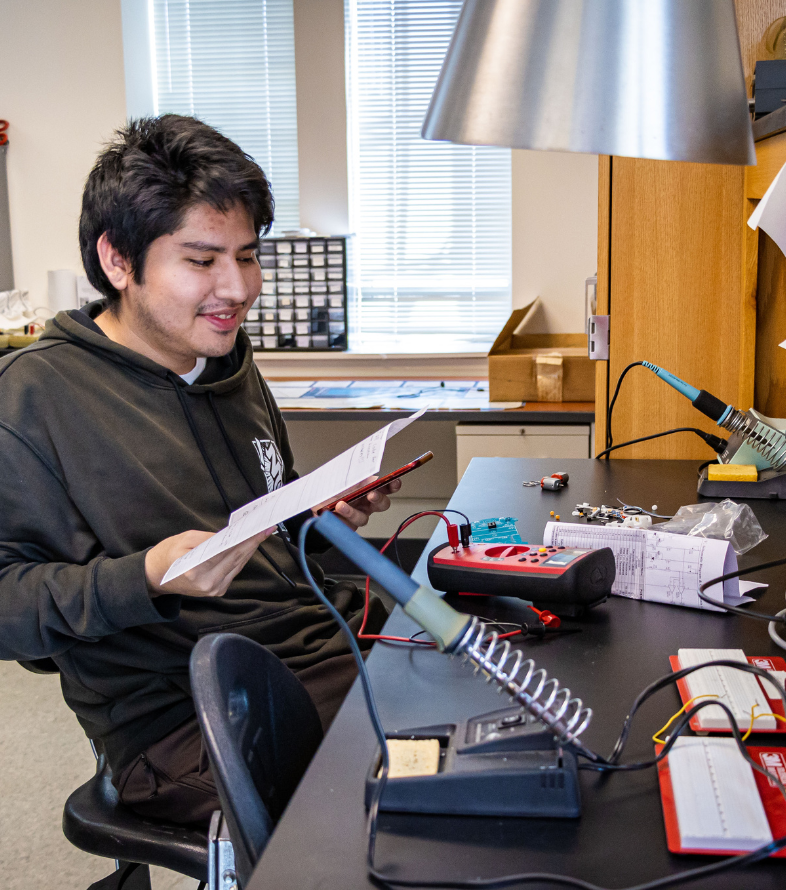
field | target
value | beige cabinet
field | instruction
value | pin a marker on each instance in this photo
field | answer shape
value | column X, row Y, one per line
column 509, row 440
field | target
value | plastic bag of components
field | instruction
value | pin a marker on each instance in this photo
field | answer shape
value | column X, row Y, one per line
column 735, row 523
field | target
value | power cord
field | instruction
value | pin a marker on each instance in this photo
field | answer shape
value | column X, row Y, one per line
column 598, row 763
column 612, row 761
column 715, row 442
column 771, row 629
column 780, row 618
column 609, row 439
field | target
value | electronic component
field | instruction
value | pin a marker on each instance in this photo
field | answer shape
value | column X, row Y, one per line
column 496, row 531
column 462, row 635
column 711, row 802
column 741, row 692
column 628, row 516
column 565, row 580
column 498, row 764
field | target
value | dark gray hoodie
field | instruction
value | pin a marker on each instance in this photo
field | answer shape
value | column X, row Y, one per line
column 104, row 453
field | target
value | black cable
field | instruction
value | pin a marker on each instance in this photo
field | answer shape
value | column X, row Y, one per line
column 609, row 440
column 715, row 442
column 531, row 877
column 371, row 704
column 669, row 679
column 415, row 516
column 679, row 726
column 746, row 613
column 738, row 861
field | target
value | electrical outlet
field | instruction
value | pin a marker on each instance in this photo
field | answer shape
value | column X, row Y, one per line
column 598, row 337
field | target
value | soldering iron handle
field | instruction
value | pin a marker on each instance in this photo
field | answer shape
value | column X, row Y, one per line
column 398, row 584
column 702, row 400
column 421, row 603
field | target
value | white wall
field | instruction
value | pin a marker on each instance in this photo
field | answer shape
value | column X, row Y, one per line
column 555, row 234
column 63, row 93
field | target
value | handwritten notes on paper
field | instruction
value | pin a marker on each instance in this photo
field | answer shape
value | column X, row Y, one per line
column 333, row 479
column 658, row 566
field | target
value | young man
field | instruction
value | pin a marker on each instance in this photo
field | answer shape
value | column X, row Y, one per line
column 127, row 436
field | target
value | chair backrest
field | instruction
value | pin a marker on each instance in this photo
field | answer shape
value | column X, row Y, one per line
column 261, row 730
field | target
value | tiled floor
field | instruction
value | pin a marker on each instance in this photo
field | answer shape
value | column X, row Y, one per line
column 44, row 755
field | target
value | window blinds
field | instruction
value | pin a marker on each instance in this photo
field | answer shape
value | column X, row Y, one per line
column 231, row 63
column 433, row 250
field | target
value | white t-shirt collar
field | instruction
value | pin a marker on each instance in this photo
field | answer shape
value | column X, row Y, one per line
column 198, row 368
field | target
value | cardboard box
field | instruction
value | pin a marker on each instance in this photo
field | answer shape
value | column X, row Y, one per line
column 539, row 367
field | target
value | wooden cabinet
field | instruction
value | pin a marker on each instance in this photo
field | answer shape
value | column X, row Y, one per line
column 679, row 275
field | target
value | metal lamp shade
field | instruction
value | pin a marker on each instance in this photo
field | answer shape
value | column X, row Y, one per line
column 642, row 78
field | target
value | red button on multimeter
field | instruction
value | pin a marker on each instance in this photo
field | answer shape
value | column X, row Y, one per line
column 564, row 580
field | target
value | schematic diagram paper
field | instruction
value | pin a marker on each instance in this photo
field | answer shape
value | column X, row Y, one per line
column 328, row 482
column 657, row 566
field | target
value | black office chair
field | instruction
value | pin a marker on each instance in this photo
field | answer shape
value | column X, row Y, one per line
column 94, row 820
column 261, row 730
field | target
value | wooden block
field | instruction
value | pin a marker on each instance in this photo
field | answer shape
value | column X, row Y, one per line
column 732, row 473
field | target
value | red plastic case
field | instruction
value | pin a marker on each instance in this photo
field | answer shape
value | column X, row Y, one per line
column 566, row 580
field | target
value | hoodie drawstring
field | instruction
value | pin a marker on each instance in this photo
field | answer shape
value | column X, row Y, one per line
column 228, row 441
column 195, row 433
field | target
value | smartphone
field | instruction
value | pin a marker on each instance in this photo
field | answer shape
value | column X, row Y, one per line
column 379, row 483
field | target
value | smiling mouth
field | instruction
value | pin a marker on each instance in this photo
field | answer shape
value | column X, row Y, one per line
column 224, row 321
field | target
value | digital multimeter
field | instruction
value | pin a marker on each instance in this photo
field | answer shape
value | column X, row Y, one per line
column 564, row 580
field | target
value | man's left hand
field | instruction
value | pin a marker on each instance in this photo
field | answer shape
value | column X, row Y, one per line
column 357, row 514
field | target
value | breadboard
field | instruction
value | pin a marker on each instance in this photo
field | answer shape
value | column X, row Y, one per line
column 714, row 802
column 738, row 690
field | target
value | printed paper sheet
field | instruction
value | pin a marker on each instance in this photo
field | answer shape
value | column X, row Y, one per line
column 333, row 479
column 658, row 566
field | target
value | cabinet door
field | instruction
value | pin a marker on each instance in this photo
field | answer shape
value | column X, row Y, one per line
column 671, row 250
column 490, row 440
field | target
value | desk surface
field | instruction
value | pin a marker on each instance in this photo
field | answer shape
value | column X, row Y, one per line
column 624, row 645
column 532, row 412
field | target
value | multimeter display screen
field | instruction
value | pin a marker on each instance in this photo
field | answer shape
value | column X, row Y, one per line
column 562, row 558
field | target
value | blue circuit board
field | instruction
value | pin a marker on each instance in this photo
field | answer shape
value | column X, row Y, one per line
column 501, row 530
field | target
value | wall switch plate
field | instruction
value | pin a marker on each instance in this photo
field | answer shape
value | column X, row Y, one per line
column 598, row 337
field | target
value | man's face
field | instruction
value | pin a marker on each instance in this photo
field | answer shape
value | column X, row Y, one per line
column 198, row 286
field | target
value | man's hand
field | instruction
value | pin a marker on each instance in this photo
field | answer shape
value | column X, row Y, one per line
column 356, row 514
column 211, row 578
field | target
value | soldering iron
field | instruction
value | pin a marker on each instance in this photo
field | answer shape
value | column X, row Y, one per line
column 763, row 438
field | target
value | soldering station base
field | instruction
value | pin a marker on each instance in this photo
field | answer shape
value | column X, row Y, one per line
column 504, row 763
column 770, row 486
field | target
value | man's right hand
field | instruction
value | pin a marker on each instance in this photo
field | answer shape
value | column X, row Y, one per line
column 211, row 578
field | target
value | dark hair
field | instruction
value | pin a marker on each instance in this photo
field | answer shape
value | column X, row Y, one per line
column 145, row 182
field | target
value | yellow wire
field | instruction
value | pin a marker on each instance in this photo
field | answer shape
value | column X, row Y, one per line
column 754, row 716
column 750, row 728
column 688, row 703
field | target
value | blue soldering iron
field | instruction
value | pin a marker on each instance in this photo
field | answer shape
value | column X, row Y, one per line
column 763, row 438
column 465, row 636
